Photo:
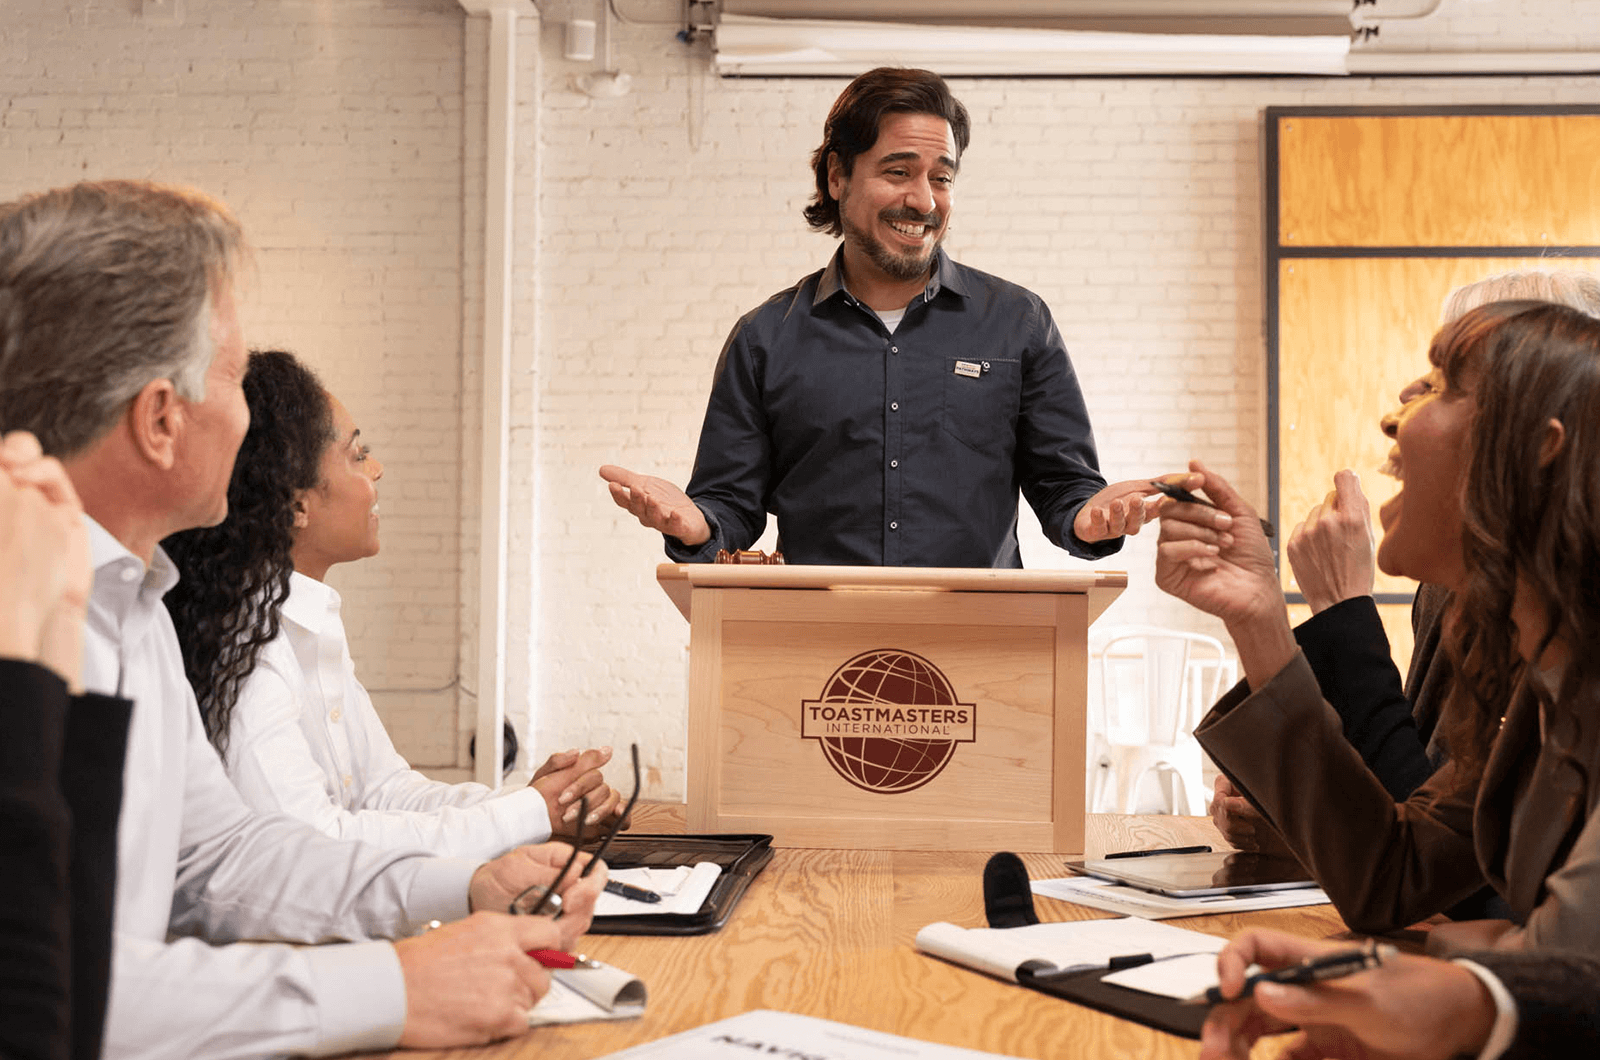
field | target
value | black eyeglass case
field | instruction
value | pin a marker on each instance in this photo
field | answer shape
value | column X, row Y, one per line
column 741, row 856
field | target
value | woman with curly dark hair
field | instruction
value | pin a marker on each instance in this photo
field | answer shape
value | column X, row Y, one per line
column 235, row 575
column 1498, row 457
column 264, row 645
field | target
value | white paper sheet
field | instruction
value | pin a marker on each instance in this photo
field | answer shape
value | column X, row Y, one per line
column 762, row 1032
column 682, row 890
column 1180, row 977
column 1131, row 901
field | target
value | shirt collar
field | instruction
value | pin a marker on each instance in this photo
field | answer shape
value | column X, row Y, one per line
column 312, row 605
column 945, row 277
column 121, row 579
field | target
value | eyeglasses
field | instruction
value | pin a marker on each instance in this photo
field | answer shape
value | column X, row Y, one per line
column 536, row 899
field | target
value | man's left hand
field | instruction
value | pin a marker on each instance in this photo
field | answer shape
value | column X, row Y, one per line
column 1118, row 509
column 497, row 882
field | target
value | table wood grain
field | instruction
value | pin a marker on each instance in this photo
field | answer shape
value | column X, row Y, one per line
column 831, row 933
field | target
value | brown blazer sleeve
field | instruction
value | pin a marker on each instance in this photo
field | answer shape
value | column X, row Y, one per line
column 1384, row 864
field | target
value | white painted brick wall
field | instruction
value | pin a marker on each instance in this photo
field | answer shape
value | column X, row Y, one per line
column 336, row 132
column 348, row 136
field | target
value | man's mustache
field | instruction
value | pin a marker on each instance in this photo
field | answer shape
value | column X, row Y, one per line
column 932, row 220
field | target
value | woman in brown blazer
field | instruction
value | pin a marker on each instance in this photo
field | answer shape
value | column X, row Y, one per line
column 1500, row 502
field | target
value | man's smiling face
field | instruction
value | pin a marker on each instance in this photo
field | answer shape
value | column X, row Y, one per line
column 895, row 206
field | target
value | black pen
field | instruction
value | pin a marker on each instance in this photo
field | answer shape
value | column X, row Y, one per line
column 1310, row 970
column 1183, row 496
column 1161, row 850
column 628, row 890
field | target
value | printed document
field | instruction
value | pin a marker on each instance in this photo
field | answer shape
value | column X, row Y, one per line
column 762, row 1032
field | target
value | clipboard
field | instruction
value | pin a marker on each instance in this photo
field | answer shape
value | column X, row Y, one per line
column 1152, row 1010
column 740, row 855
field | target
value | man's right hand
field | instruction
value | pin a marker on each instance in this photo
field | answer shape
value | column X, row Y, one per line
column 658, row 504
column 1331, row 551
column 1410, row 1008
column 472, row 981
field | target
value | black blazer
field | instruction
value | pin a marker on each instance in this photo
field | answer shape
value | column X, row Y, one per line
column 61, row 761
column 1349, row 654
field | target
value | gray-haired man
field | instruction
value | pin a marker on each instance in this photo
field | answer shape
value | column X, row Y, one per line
column 120, row 349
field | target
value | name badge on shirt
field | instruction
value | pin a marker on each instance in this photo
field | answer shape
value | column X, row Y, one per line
column 971, row 369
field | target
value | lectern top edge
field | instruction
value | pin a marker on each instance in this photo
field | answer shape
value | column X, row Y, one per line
column 679, row 579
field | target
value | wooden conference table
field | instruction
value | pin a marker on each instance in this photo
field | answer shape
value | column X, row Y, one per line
column 830, row 933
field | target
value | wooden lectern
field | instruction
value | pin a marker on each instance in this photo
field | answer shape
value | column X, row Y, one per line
column 897, row 708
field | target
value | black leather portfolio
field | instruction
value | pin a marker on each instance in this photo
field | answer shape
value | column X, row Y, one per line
column 1152, row 1010
column 740, row 855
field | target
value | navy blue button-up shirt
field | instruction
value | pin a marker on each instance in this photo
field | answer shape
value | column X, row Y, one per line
column 898, row 450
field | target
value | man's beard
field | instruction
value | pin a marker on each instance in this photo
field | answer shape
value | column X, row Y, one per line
column 904, row 267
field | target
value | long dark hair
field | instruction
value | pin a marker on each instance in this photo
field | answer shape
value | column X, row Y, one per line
column 235, row 575
column 852, row 127
column 1527, row 513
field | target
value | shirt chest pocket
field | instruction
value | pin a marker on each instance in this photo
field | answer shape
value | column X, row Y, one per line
column 981, row 402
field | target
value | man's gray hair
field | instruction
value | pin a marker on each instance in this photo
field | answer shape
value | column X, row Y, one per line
column 104, row 287
column 1568, row 287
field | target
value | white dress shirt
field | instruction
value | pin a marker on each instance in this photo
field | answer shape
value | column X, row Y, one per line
column 305, row 740
column 197, row 869
column 1506, row 1017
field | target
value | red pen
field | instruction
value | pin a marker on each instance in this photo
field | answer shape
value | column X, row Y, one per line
column 562, row 959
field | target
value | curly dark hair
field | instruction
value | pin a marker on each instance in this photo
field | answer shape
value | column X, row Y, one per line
column 235, row 575
column 1529, row 513
column 852, row 127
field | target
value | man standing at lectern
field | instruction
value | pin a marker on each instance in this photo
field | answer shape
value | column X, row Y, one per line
column 888, row 408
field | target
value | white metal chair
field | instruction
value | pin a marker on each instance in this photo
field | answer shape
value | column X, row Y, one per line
column 1153, row 686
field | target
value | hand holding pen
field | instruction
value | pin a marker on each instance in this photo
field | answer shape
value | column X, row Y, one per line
column 1183, row 496
column 1404, row 1006
column 1332, row 964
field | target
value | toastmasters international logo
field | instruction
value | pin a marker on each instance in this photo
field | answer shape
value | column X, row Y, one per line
column 888, row 721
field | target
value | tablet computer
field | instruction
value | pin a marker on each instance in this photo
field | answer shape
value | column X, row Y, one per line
column 1199, row 875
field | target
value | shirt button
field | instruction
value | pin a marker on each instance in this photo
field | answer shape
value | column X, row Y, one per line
column 348, row 780
column 894, row 463
column 894, row 405
column 894, row 526
column 894, row 349
column 129, row 574
column 336, row 715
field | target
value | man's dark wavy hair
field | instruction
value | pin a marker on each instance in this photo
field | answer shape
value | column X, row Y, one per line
column 235, row 575
column 852, row 127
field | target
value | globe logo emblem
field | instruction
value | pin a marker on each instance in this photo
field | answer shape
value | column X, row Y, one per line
column 888, row 721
